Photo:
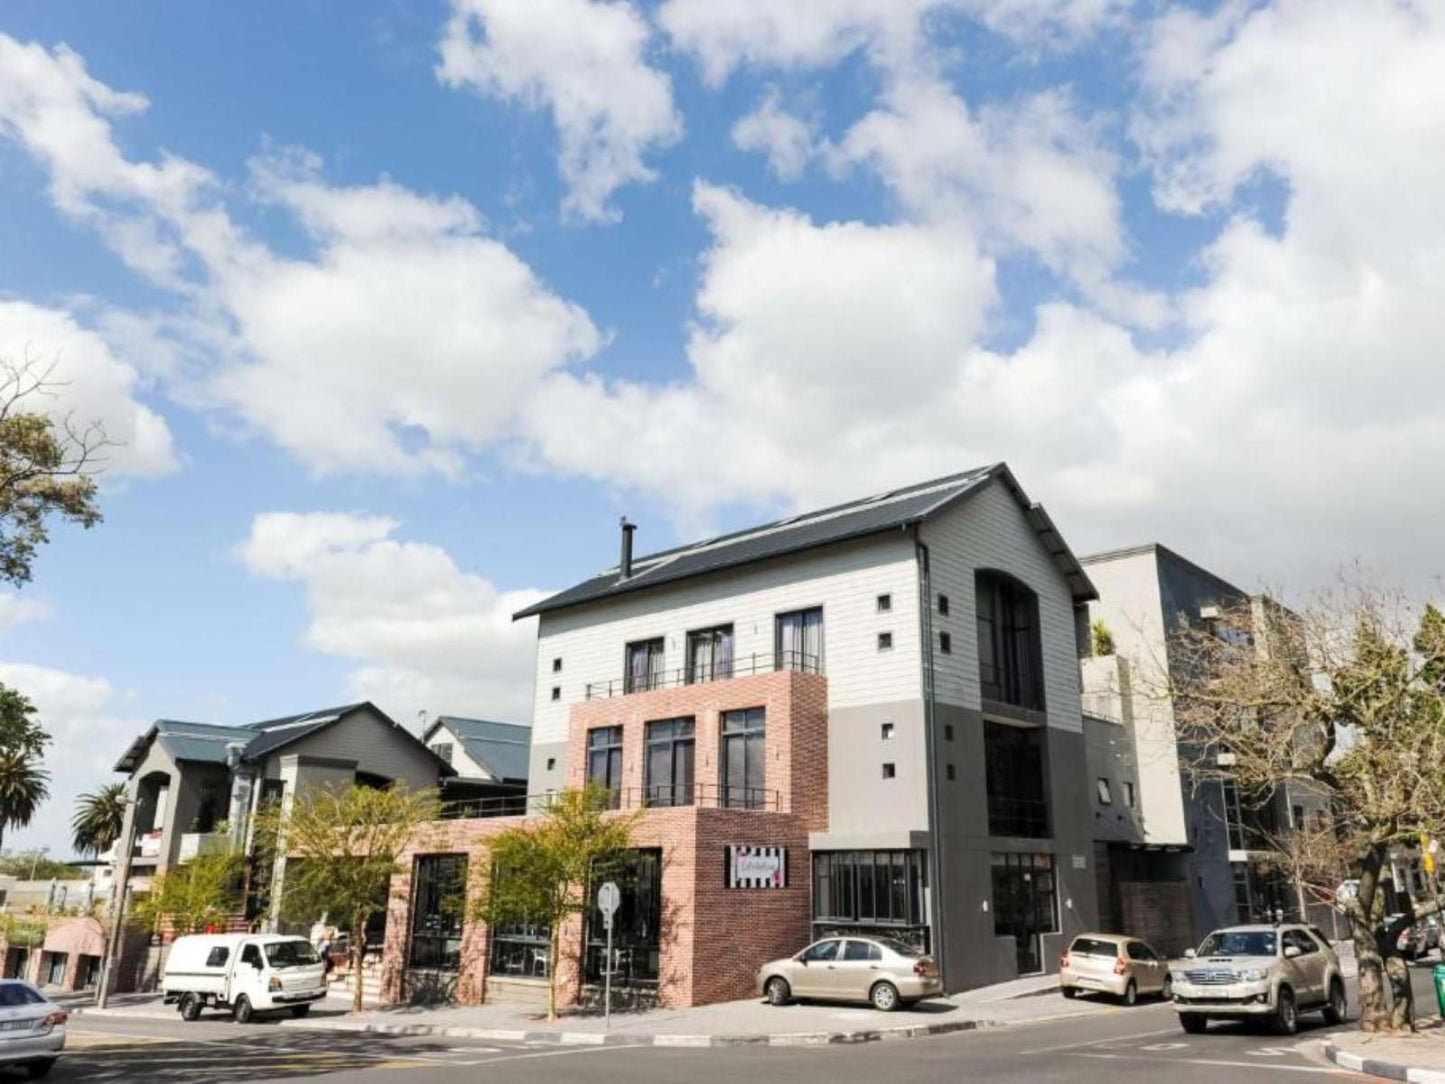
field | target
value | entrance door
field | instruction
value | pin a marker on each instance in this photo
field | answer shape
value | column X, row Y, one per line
column 1023, row 904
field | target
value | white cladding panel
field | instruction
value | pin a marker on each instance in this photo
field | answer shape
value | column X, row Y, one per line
column 991, row 530
column 845, row 580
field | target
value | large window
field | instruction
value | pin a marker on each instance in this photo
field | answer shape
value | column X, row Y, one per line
column 744, row 759
column 438, row 902
column 862, row 888
column 604, row 760
column 645, row 660
column 1014, row 776
column 521, row 949
column 710, row 654
column 1010, row 654
column 1024, row 904
column 799, row 641
column 637, row 925
column 670, row 748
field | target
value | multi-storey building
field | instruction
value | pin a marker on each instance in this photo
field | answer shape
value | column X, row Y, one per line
column 1201, row 847
column 871, row 712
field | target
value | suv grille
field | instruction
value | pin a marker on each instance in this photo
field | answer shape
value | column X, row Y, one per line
column 1211, row 976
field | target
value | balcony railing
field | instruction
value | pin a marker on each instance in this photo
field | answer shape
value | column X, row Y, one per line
column 195, row 844
column 704, row 795
column 1027, row 818
column 742, row 666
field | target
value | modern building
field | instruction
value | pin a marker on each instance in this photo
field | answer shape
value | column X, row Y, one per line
column 1203, row 848
column 864, row 718
column 489, row 758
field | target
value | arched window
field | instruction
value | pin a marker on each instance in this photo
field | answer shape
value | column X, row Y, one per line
column 1010, row 651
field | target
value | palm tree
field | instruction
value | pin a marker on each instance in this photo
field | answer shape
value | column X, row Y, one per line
column 98, row 819
column 24, row 785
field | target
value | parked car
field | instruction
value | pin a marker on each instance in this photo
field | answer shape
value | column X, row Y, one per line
column 1259, row 972
column 244, row 973
column 1414, row 940
column 878, row 970
column 1432, row 932
column 32, row 1028
column 1113, row 963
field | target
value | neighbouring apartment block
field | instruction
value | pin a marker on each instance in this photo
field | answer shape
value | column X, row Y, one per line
column 865, row 718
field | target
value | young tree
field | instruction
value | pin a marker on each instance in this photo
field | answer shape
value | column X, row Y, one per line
column 342, row 847
column 206, row 891
column 1348, row 700
column 542, row 872
column 98, row 819
column 47, row 467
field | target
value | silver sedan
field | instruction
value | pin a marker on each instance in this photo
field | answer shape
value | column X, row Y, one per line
column 879, row 971
column 32, row 1028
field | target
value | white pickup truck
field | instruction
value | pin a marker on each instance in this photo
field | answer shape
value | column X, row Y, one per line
column 245, row 973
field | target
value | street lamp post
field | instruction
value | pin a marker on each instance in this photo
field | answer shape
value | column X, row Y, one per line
column 122, row 881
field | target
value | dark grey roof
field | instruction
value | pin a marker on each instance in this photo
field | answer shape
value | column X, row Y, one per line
column 274, row 733
column 889, row 511
column 504, row 749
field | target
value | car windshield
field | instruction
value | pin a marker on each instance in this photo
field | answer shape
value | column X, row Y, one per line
column 1238, row 943
column 1092, row 946
column 291, row 954
column 899, row 947
column 13, row 994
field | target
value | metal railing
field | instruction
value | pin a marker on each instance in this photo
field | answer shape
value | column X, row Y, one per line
column 512, row 805
column 1027, row 818
column 663, row 796
column 742, row 666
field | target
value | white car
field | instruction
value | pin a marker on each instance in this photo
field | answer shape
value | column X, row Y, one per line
column 32, row 1028
column 1259, row 972
column 245, row 973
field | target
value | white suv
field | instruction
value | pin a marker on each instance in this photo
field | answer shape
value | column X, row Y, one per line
column 1249, row 972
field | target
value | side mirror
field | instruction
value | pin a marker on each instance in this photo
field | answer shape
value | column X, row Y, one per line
column 1189, row 954
column 1290, row 952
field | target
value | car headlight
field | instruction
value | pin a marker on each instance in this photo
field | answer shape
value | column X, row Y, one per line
column 1254, row 974
column 1177, row 976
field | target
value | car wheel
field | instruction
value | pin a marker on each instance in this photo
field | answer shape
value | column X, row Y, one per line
column 38, row 1069
column 778, row 991
column 299, row 1011
column 1286, row 1013
column 1131, row 993
column 1193, row 1023
column 1337, row 1008
column 243, row 1011
column 884, row 996
column 1166, row 992
column 190, row 1007
column 1069, row 991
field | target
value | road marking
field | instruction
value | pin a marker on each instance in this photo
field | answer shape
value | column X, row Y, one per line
column 572, row 1051
column 1102, row 1042
column 1165, row 1046
column 1216, row 1062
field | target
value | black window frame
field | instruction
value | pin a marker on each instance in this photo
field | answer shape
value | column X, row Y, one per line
column 438, row 912
column 885, row 641
column 1010, row 641
column 605, row 741
column 678, row 738
column 749, row 727
column 656, row 672
column 799, row 659
column 1015, row 780
column 515, row 950
column 847, row 897
column 637, row 924
column 885, row 603
column 713, row 670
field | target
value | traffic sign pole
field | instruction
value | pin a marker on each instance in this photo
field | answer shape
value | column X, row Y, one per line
column 608, row 897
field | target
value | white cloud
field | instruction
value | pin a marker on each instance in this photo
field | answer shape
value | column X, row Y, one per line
column 91, row 724
column 425, row 634
column 405, row 338
column 785, row 138
column 14, row 609
column 585, row 62
column 90, row 384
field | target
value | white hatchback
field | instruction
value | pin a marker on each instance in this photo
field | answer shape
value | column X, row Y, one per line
column 32, row 1028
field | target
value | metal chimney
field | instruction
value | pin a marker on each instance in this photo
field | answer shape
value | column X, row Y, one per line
column 624, row 566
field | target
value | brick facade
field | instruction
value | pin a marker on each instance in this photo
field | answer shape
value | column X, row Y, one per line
column 712, row 938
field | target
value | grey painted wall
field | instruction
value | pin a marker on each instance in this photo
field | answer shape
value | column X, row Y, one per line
column 861, row 803
column 540, row 777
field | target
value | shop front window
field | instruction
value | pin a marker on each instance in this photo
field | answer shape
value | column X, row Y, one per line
column 862, row 891
column 637, row 925
column 521, row 949
column 438, row 903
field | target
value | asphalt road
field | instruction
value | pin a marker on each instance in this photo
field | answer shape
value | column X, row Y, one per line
column 1142, row 1043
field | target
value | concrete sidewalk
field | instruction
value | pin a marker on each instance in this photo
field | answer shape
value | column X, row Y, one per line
column 1418, row 1058
column 750, row 1021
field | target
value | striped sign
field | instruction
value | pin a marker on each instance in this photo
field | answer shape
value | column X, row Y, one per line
column 757, row 867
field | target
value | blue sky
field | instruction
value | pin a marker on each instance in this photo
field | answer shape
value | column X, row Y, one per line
column 397, row 306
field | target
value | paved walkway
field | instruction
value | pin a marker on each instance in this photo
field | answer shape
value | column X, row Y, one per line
column 1418, row 1058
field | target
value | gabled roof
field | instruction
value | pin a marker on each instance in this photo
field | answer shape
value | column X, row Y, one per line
column 207, row 742
column 894, row 510
column 503, row 749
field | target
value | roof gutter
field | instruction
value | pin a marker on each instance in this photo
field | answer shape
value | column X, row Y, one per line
column 930, row 752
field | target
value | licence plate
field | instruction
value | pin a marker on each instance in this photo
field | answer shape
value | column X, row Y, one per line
column 15, row 1025
column 1095, row 983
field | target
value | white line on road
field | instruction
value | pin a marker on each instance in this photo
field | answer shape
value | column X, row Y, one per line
column 1101, row 1042
column 1255, row 1065
column 571, row 1051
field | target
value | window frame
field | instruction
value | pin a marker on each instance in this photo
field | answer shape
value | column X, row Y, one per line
column 715, row 635
column 656, row 674
column 745, row 726
column 677, row 736
column 612, row 749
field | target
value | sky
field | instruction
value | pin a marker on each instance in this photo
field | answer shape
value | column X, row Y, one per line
column 393, row 307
